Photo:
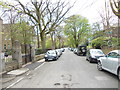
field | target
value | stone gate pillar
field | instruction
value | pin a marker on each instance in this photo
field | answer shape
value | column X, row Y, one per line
column 32, row 52
column 17, row 55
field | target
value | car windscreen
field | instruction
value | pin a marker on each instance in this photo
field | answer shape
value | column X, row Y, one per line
column 96, row 52
column 51, row 52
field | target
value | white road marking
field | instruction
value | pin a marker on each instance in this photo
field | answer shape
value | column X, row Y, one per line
column 39, row 66
column 15, row 82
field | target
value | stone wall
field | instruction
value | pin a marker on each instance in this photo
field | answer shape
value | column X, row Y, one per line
column 39, row 57
column 12, row 65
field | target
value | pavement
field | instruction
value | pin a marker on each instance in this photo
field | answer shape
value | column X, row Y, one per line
column 7, row 77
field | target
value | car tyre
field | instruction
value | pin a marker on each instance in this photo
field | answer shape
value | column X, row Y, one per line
column 46, row 60
column 99, row 66
column 90, row 61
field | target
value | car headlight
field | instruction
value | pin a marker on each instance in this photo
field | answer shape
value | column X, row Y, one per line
column 53, row 55
column 93, row 56
column 46, row 55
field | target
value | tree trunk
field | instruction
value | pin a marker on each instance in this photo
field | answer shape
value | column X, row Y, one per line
column 119, row 11
column 43, row 41
column 53, row 40
column 59, row 43
column 38, row 39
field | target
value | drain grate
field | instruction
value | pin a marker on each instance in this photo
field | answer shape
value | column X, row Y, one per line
column 57, row 84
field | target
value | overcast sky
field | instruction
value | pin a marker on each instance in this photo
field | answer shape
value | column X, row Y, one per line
column 86, row 8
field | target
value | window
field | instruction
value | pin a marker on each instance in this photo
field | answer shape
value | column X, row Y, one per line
column 113, row 55
column 118, row 55
column 5, row 46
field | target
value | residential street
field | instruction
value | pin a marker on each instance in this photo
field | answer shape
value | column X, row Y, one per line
column 69, row 71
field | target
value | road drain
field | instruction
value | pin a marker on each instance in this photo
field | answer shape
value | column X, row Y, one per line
column 66, row 85
column 57, row 84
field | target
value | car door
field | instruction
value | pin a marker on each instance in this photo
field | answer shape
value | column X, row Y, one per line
column 106, row 61
column 111, row 61
column 114, row 61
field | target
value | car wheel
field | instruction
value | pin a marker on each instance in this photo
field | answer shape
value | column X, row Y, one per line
column 90, row 61
column 99, row 66
column 119, row 73
column 46, row 60
column 55, row 59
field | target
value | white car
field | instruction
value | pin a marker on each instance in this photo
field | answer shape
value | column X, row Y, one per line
column 110, row 62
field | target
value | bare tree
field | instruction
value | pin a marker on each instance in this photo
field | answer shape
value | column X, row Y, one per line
column 53, row 39
column 46, row 14
column 115, row 6
column 106, row 16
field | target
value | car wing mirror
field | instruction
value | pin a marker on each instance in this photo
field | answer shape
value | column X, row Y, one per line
column 106, row 56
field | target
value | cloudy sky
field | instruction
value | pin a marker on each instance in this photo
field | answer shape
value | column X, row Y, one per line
column 86, row 8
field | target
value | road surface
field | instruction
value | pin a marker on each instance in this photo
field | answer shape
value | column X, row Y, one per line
column 69, row 71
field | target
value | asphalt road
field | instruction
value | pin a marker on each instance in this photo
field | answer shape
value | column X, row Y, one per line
column 69, row 71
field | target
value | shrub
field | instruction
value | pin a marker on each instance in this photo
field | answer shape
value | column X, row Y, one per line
column 99, row 42
column 40, row 51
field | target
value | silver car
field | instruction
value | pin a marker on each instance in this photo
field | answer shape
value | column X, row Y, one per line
column 51, row 55
column 110, row 62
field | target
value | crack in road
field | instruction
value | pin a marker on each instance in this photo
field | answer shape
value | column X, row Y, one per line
column 66, row 81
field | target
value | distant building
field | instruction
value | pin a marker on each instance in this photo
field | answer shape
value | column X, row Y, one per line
column 5, row 41
column 5, row 37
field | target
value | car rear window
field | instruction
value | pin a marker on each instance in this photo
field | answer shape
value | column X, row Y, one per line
column 97, row 52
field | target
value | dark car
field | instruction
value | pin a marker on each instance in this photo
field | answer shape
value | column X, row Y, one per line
column 51, row 55
column 93, row 55
column 81, row 50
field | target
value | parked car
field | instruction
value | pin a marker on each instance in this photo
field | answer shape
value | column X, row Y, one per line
column 59, row 52
column 71, row 49
column 75, row 51
column 51, row 55
column 110, row 62
column 62, row 49
column 93, row 54
column 82, row 49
